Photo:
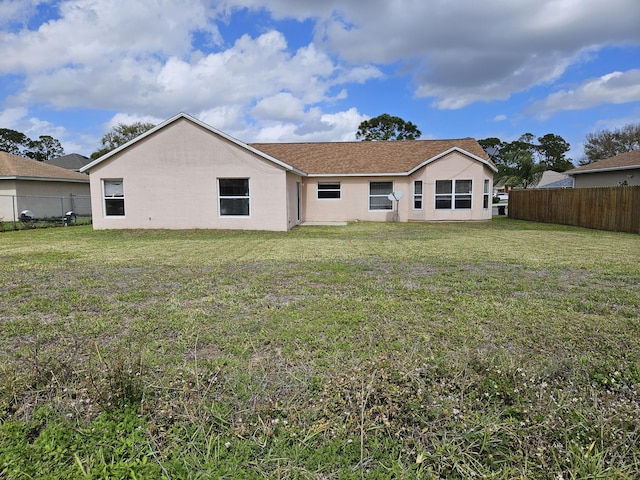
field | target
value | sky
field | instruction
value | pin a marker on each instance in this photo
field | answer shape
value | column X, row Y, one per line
column 313, row 70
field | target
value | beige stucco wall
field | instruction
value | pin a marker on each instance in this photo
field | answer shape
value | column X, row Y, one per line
column 171, row 181
column 7, row 190
column 607, row 179
column 354, row 201
column 42, row 197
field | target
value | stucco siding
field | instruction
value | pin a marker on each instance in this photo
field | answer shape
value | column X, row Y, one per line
column 170, row 181
column 353, row 203
column 456, row 166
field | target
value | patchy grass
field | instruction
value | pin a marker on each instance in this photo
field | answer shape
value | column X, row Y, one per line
column 498, row 350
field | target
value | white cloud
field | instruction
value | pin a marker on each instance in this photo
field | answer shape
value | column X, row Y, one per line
column 461, row 52
column 141, row 57
column 282, row 106
column 314, row 127
column 499, row 118
column 615, row 88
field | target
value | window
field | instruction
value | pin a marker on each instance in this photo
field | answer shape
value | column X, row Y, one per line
column 443, row 194
column 485, row 194
column 417, row 195
column 454, row 194
column 113, row 191
column 329, row 190
column 378, row 195
column 463, row 194
column 234, row 196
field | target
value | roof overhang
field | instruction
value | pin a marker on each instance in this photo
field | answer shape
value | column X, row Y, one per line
column 451, row 150
column 211, row 129
column 609, row 169
column 45, row 179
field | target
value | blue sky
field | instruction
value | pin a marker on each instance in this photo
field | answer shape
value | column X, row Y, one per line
column 292, row 70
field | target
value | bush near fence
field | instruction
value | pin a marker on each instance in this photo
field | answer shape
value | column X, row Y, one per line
column 615, row 209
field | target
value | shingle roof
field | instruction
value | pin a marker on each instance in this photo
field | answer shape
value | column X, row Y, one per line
column 336, row 158
column 357, row 158
column 14, row 166
column 73, row 161
column 623, row 161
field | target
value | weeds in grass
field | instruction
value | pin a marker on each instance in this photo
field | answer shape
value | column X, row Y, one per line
column 372, row 351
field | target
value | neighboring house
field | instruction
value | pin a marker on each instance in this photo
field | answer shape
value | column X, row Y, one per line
column 623, row 169
column 566, row 182
column 551, row 179
column 27, row 184
column 73, row 161
column 184, row 174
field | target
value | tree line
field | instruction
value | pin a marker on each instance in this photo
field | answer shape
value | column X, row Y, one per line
column 17, row 143
column 520, row 162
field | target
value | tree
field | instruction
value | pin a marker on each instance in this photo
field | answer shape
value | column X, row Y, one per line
column 605, row 143
column 492, row 146
column 119, row 135
column 387, row 127
column 12, row 141
column 520, row 169
column 17, row 143
column 551, row 151
column 45, row 148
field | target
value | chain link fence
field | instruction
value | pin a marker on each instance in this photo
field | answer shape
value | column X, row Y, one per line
column 43, row 208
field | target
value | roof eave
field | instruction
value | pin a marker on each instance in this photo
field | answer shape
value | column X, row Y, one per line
column 387, row 174
column 201, row 124
column 45, row 179
column 608, row 169
column 451, row 150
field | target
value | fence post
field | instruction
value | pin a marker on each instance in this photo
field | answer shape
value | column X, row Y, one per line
column 13, row 208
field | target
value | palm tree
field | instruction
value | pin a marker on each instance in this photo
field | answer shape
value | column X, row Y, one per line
column 520, row 169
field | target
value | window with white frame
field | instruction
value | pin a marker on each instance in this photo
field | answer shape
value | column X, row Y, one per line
column 453, row 194
column 417, row 195
column 113, row 197
column 233, row 195
column 378, row 195
column 485, row 194
column 329, row 190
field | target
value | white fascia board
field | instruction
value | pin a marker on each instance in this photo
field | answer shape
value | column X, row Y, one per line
column 197, row 122
column 319, row 175
column 447, row 152
column 46, row 179
column 610, row 169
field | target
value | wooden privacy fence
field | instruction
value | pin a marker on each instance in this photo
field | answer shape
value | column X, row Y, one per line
column 604, row 208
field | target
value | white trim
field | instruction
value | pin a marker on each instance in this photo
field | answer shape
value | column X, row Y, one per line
column 421, row 195
column 609, row 169
column 453, row 193
column 378, row 196
column 45, row 179
column 451, row 150
column 241, row 197
column 486, row 182
column 104, row 198
column 339, row 190
column 321, row 175
column 188, row 117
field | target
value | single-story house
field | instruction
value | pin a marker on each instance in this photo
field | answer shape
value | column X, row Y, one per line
column 72, row 161
column 623, row 169
column 46, row 190
column 184, row 174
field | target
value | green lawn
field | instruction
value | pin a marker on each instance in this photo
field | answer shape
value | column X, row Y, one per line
column 500, row 350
